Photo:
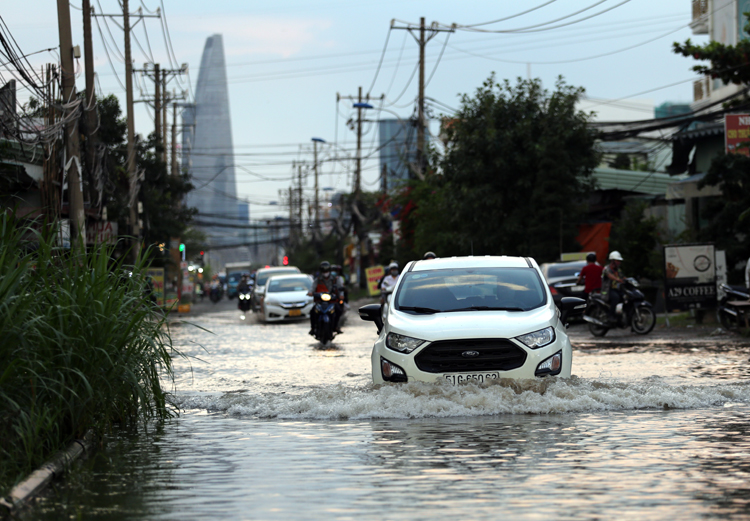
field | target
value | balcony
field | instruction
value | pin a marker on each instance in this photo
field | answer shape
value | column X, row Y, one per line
column 699, row 24
column 702, row 89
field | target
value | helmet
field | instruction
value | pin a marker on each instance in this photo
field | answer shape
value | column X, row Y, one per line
column 615, row 255
column 393, row 265
column 336, row 267
column 325, row 266
column 429, row 255
column 591, row 257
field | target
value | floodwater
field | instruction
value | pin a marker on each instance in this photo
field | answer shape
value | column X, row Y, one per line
column 275, row 427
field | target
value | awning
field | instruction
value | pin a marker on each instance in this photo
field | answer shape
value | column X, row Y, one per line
column 688, row 188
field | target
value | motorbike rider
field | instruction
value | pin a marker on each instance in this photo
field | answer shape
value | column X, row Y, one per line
column 244, row 285
column 591, row 274
column 611, row 280
column 389, row 281
column 338, row 274
column 429, row 256
column 324, row 283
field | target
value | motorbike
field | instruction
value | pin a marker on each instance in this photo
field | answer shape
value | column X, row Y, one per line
column 634, row 311
column 243, row 300
column 729, row 314
column 216, row 294
column 325, row 308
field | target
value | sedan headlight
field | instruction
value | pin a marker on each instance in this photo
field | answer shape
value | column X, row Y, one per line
column 538, row 339
column 402, row 343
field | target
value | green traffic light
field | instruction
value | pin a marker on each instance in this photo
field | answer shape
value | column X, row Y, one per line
column 182, row 247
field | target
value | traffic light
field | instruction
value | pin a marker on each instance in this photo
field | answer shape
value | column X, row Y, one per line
column 201, row 254
column 182, row 246
column 285, row 261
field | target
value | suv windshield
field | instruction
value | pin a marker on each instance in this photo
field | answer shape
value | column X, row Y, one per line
column 263, row 277
column 295, row 284
column 470, row 289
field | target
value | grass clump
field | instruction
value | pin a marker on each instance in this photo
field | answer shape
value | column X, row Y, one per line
column 82, row 346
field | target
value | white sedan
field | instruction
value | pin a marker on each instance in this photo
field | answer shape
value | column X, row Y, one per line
column 285, row 298
column 471, row 319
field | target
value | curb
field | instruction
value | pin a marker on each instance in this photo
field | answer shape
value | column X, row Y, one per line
column 41, row 477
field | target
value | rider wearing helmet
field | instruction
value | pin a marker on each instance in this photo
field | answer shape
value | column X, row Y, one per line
column 591, row 274
column 611, row 280
column 389, row 281
column 324, row 283
column 429, row 256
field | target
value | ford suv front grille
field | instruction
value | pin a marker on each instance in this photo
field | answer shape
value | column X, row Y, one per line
column 456, row 356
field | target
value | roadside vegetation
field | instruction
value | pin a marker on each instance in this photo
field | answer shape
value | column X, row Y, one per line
column 82, row 347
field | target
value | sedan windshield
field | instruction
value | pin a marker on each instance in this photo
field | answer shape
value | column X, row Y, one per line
column 263, row 277
column 470, row 289
column 295, row 284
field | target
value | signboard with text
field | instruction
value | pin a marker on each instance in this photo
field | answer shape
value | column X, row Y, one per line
column 101, row 232
column 157, row 280
column 737, row 134
column 690, row 276
column 374, row 274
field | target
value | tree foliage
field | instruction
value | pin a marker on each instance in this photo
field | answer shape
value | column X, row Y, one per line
column 729, row 63
column 637, row 238
column 161, row 193
column 513, row 178
column 728, row 216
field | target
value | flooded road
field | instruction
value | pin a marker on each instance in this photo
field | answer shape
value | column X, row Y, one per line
column 277, row 428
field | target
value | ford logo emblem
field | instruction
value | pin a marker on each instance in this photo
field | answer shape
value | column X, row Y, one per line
column 470, row 354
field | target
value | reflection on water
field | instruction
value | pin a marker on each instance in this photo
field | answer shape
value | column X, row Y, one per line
column 276, row 428
column 657, row 464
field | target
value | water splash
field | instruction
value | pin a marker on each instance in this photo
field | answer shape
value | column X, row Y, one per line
column 420, row 400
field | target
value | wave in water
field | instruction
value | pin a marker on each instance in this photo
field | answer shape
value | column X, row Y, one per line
column 420, row 400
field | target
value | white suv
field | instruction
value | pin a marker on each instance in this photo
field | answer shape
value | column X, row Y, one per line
column 471, row 319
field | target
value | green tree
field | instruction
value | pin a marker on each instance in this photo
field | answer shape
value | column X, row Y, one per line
column 637, row 238
column 728, row 216
column 513, row 179
column 729, row 63
column 161, row 193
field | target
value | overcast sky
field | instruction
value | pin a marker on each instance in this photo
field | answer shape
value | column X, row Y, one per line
column 287, row 60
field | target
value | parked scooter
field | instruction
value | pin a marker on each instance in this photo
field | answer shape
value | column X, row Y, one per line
column 634, row 311
column 728, row 313
column 325, row 308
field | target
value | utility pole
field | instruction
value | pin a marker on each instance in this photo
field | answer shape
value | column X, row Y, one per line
column 316, row 202
column 135, row 228
column 165, row 113
column 358, row 175
column 89, row 104
column 160, row 137
column 291, row 214
column 175, row 170
column 300, row 202
column 422, row 41
column 72, row 163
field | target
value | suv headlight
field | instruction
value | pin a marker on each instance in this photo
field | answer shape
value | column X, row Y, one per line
column 539, row 338
column 402, row 343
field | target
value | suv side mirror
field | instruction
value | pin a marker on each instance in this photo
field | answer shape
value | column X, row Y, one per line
column 372, row 313
column 571, row 307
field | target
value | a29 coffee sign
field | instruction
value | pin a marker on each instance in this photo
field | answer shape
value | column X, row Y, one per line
column 690, row 276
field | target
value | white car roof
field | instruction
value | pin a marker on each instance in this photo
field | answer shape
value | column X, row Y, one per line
column 288, row 276
column 488, row 261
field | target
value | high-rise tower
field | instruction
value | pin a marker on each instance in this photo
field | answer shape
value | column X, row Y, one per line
column 208, row 152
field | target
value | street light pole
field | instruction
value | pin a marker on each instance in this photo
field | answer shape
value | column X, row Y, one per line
column 315, row 141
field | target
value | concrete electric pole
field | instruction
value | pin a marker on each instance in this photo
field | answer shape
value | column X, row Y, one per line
column 72, row 163
column 90, row 103
column 422, row 41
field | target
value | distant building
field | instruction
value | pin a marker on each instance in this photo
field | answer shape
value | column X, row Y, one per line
column 208, row 155
column 398, row 149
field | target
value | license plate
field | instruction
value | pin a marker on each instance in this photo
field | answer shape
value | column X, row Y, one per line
column 578, row 288
column 471, row 377
column 295, row 312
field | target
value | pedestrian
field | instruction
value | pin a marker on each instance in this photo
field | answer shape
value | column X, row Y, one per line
column 591, row 274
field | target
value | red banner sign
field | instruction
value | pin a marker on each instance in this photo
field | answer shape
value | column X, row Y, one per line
column 737, row 133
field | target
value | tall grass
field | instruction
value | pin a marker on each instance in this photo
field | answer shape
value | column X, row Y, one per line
column 80, row 347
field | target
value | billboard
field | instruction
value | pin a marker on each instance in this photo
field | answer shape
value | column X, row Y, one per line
column 737, row 134
column 690, row 276
column 101, row 232
column 157, row 280
column 374, row 274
